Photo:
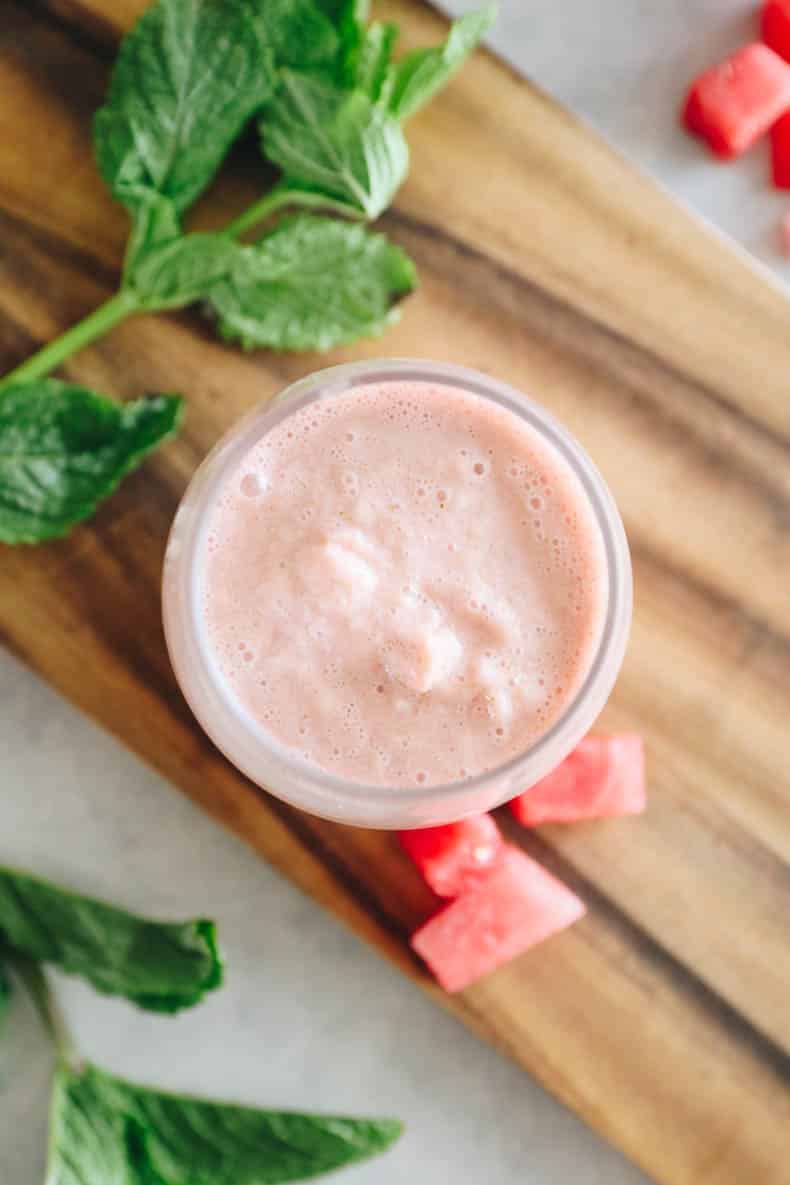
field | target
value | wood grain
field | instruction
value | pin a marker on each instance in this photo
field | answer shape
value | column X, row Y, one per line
column 663, row 1018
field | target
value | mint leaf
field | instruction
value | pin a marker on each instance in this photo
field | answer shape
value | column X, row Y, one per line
column 340, row 11
column 181, row 271
column 105, row 1131
column 64, row 448
column 5, row 993
column 161, row 966
column 372, row 70
column 419, row 75
column 187, row 78
column 302, row 33
column 351, row 17
column 155, row 221
column 166, row 269
column 335, row 142
column 311, row 284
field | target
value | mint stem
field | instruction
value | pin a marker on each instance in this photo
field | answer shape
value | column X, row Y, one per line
column 279, row 197
column 120, row 306
column 31, row 975
column 97, row 323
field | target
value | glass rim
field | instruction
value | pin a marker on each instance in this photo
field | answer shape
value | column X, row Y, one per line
column 223, row 719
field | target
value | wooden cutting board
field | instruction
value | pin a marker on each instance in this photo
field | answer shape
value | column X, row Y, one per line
column 664, row 1017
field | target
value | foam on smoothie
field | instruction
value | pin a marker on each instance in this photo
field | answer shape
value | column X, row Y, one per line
column 403, row 584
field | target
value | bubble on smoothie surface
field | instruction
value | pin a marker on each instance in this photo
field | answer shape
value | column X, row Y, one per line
column 403, row 584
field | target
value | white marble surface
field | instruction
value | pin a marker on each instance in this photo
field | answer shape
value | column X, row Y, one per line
column 309, row 1016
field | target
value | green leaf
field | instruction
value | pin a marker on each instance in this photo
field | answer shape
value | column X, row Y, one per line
column 351, row 17
column 344, row 12
column 161, row 966
column 302, row 33
column 419, row 75
column 336, row 142
column 166, row 269
column 187, row 78
column 5, row 994
column 64, row 448
column 373, row 74
column 311, row 284
column 105, row 1131
column 337, row 10
column 181, row 271
column 155, row 221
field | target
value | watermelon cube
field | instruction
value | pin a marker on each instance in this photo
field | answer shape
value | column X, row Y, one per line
column 602, row 776
column 734, row 103
column 454, row 857
column 515, row 907
column 780, row 152
column 776, row 26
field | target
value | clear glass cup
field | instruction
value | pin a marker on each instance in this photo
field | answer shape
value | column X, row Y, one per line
column 283, row 773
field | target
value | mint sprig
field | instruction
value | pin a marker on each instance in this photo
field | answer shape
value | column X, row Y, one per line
column 160, row 966
column 421, row 74
column 180, row 270
column 63, row 449
column 311, row 283
column 104, row 1129
column 302, row 33
column 330, row 102
column 373, row 72
column 186, row 80
column 107, row 1131
column 334, row 141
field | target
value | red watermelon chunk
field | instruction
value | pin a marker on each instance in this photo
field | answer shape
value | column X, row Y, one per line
column 516, row 906
column 780, row 152
column 602, row 776
column 734, row 103
column 456, row 856
column 776, row 26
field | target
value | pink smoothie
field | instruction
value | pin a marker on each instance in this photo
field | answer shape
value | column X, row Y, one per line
column 403, row 584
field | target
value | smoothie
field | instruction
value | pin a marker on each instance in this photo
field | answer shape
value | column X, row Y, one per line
column 403, row 584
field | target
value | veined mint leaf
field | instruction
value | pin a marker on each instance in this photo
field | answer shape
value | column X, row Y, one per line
column 155, row 221
column 64, row 448
column 334, row 141
column 181, row 271
column 187, row 78
column 302, row 33
column 105, row 1131
column 372, row 71
column 165, row 268
column 351, row 17
column 161, row 966
column 419, row 75
column 311, row 284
